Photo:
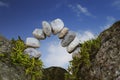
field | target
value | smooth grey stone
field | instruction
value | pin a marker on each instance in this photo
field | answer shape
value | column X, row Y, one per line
column 73, row 45
column 76, row 53
column 38, row 33
column 57, row 25
column 46, row 28
column 63, row 32
column 69, row 37
column 32, row 42
column 32, row 52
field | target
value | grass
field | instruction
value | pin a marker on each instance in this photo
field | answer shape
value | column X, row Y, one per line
column 88, row 50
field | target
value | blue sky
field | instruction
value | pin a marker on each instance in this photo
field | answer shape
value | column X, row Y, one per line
column 86, row 17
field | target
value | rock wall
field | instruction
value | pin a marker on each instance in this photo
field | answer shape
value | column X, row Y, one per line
column 106, row 63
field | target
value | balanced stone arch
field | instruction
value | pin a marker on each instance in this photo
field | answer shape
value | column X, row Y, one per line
column 68, row 38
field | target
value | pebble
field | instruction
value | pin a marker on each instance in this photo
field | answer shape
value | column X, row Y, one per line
column 46, row 28
column 32, row 52
column 63, row 32
column 69, row 37
column 76, row 53
column 38, row 33
column 32, row 42
column 57, row 25
column 71, row 47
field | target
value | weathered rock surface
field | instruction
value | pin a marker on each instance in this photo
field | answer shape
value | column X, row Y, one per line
column 71, row 47
column 4, row 45
column 46, row 28
column 105, row 64
column 32, row 42
column 63, row 32
column 54, row 73
column 9, row 72
column 32, row 52
column 68, row 38
column 57, row 25
column 38, row 33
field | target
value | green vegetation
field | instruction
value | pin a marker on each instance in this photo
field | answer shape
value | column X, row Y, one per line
column 1, row 55
column 32, row 66
column 88, row 51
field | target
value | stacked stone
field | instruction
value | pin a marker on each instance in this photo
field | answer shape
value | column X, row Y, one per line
column 56, row 27
column 32, row 44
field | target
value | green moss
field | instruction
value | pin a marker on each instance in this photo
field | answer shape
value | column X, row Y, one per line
column 2, row 55
column 88, row 51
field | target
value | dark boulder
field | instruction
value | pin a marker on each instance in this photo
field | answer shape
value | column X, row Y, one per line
column 54, row 73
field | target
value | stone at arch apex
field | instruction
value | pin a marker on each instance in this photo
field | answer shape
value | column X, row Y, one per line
column 57, row 25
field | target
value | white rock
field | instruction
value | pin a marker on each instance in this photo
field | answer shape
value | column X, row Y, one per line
column 73, row 45
column 46, row 28
column 69, row 37
column 57, row 25
column 63, row 32
column 76, row 53
column 32, row 52
column 38, row 33
column 32, row 42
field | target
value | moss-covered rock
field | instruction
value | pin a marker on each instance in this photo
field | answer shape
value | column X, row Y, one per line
column 103, row 59
column 19, row 66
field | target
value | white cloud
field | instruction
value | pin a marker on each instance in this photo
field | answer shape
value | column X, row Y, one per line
column 58, row 56
column 3, row 4
column 74, row 8
column 78, row 9
column 83, row 10
column 116, row 4
column 86, row 35
column 109, row 21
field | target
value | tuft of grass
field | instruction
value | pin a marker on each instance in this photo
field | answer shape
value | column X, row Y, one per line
column 88, row 50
